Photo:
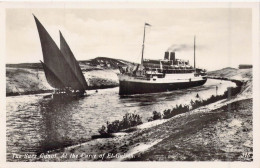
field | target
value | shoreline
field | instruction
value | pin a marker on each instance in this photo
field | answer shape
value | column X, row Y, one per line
column 95, row 87
column 149, row 140
column 50, row 91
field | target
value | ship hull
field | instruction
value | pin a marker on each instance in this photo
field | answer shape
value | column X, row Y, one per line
column 132, row 87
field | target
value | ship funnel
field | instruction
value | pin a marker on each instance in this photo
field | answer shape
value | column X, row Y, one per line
column 166, row 55
column 172, row 56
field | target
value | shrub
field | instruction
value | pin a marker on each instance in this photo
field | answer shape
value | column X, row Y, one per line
column 157, row 115
column 179, row 109
column 129, row 120
column 102, row 130
column 175, row 111
column 229, row 92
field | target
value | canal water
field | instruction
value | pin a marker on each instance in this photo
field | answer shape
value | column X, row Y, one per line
column 36, row 125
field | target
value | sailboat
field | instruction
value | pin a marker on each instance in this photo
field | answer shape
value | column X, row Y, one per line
column 61, row 68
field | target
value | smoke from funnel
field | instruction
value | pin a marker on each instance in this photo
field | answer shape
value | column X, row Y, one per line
column 180, row 47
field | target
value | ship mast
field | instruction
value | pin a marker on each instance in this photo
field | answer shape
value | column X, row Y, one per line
column 194, row 54
column 146, row 24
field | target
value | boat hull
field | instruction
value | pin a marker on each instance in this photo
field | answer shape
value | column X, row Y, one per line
column 64, row 96
column 131, row 87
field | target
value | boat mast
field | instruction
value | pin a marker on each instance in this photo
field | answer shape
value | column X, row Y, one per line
column 143, row 46
column 146, row 24
column 194, row 54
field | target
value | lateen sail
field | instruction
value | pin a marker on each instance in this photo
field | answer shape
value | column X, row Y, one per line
column 73, row 63
column 56, row 63
column 52, row 79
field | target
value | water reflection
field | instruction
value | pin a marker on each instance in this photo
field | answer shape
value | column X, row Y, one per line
column 56, row 126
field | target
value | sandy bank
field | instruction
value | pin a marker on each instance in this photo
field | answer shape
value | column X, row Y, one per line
column 20, row 81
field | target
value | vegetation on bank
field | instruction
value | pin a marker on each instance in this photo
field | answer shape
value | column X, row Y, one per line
column 131, row 120
column 179, row 109
column 227, row 95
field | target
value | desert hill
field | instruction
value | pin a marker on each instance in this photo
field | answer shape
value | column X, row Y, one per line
column 29, row 78
column 232, row 73
column 98, row 63
column 243, row 75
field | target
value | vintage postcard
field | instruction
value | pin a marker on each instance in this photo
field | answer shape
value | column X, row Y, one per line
column 122, row 83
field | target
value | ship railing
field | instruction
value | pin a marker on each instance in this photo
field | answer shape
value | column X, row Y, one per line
column 165, row 66
column 142, row 77
column 157, row 70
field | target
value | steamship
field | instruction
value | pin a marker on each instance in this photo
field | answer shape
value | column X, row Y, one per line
column 153, row 76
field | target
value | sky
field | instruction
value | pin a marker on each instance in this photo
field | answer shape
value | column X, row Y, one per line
column 223, row 35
